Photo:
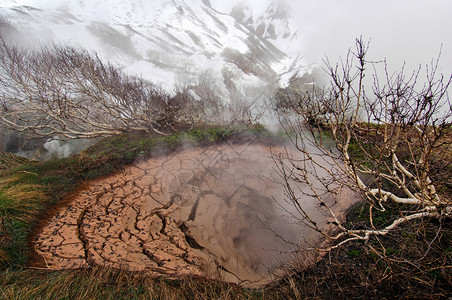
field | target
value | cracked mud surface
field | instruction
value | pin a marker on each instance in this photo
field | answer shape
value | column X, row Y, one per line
column 202, row 211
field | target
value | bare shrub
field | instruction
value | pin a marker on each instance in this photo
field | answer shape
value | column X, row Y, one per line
column 380, row 145
column 69, row 92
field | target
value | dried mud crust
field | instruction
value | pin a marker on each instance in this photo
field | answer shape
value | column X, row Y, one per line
column 204, row 211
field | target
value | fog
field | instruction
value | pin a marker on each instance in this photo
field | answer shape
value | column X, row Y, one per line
column 400, row 31
column 411, row 32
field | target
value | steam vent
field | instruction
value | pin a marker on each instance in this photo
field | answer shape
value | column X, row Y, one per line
column 217, row 211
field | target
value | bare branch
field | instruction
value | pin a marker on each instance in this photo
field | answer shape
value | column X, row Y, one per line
column 380, row 146
column 72, row 93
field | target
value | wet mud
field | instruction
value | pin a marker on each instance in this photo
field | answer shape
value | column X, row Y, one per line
column 217, row 211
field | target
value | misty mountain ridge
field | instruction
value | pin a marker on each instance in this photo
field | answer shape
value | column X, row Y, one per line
column 172, row 42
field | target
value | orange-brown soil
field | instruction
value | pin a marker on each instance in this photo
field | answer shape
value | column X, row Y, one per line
column 216, row 211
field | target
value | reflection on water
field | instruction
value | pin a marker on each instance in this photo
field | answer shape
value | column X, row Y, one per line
column 218, row 211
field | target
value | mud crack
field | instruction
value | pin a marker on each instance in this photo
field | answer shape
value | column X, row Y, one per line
column 203, row 211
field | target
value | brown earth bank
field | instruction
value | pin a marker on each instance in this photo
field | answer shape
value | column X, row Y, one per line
column 218, row 211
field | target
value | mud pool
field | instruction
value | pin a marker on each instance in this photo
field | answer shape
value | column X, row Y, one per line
column 216, row 211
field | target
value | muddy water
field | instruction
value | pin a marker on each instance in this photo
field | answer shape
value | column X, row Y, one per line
column 217, row 211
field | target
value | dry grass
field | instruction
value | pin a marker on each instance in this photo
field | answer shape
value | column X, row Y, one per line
column 112, row 284
column 3, row 255
column 19, row 203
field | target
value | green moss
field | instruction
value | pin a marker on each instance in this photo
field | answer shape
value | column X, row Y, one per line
column 391, row 251
column 448, row 252
column 354, row 253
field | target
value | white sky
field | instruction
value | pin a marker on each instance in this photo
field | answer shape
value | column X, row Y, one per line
column 410, row 31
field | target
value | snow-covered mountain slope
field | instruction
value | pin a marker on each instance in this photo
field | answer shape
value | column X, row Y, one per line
column 167, row 41
column 276, row 25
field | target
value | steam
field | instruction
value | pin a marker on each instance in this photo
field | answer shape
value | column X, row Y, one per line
column 402, row 31
column 56, row 148
column 225, row 199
